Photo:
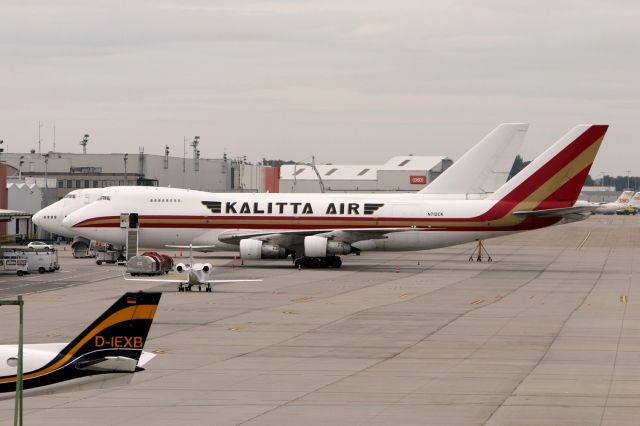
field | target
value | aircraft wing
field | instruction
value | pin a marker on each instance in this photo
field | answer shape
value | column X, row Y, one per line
column 560, row 212
column 185, row 281
column 155, row 280
column 290, row 237
column 110, row 364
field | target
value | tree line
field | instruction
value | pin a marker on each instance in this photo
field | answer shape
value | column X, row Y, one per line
column 620, row 182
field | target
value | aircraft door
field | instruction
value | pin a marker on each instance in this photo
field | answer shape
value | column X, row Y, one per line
column 129, row 220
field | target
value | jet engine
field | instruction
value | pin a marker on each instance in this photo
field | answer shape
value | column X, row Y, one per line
column 180, row 267
column 206, row 267
column 315, row 246
column 256, row 249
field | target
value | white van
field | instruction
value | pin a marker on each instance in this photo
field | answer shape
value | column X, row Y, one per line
column 38, row 260
column 14, row 263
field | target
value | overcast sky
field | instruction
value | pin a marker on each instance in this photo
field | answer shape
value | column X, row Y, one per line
column 349, row 81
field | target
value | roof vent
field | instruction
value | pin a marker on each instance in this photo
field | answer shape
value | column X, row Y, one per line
column 330, row 172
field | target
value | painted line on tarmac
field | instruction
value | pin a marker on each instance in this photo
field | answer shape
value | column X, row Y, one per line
column 583, row 241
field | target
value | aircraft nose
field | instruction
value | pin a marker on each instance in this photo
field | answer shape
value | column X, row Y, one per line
column 38, row 218
column 70, row 220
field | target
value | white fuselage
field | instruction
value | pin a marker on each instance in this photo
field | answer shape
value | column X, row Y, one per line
column 170, row 216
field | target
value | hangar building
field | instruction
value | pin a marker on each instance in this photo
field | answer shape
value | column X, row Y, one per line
column 399, row 174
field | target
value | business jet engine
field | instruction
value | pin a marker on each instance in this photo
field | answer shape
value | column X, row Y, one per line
column 256, row 249
column 181, row 267
column 315, row 246
column 206, row 267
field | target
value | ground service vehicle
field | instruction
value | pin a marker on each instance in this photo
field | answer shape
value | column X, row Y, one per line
column 14, row 262
column 150, row 263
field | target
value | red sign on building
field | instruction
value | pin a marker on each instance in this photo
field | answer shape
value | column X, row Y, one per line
column 418, row 180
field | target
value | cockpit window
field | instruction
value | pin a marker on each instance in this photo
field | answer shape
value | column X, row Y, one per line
column 105, row 197
column 70, row 196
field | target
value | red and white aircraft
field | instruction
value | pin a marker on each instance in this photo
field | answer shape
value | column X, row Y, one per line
column 315, row 228
column 479, row 172
column 610, row 208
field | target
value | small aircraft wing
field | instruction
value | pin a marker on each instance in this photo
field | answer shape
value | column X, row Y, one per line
column 186, row 281
column 110, row 364
column 287, row 237
column 154, row 280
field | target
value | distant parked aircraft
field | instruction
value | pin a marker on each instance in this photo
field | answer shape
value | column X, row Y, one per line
column 620, row 203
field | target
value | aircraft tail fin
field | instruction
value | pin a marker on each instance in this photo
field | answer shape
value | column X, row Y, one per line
column 625, row 197
column 120, row 332
column 485, row 167
column 556, row 177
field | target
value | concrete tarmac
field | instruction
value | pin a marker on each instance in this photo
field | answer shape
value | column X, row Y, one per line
column 546, row 334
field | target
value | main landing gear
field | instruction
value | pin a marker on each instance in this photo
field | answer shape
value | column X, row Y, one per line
column 187, row 287
column 318, row 262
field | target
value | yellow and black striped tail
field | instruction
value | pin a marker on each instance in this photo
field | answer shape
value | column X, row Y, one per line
column 118, row 334
column 123, row 327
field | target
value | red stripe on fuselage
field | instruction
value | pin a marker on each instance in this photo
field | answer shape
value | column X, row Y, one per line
column 284, row 223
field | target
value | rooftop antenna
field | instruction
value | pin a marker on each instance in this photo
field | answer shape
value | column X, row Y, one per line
column 84, row 142
column 196, row 152
column 54, row 138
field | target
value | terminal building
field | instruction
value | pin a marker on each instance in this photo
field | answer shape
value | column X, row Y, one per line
column 75, row 171
column 399, row 174
column 34, row 181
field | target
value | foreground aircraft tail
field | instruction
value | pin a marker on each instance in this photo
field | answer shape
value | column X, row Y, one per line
column 111, row 344
column 485, row 167
column 555, row 178
column 121, row 330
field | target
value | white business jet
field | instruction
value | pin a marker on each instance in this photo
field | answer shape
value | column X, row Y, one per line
column 198, row 274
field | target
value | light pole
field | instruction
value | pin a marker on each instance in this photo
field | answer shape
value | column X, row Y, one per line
column 628, row 171
column 20, row 163
column 602, row 184
column 39, row 137
column 46, row 169
column 125, row 157
column 17, row 415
